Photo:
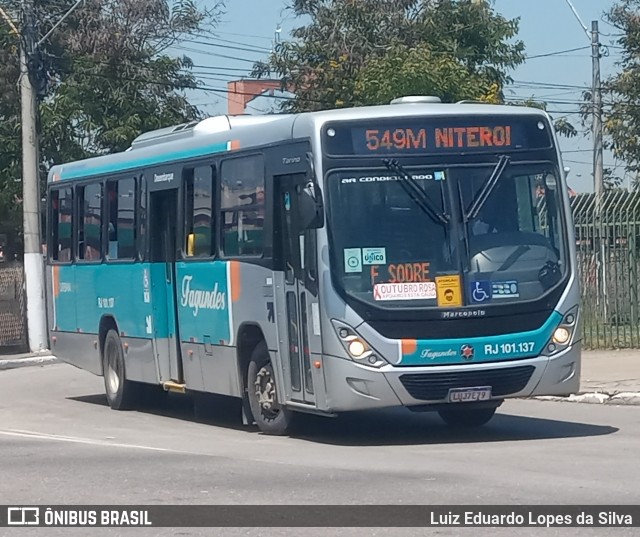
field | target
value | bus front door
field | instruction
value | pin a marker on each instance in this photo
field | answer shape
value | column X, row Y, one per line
column 297, row 308
column 163, row 325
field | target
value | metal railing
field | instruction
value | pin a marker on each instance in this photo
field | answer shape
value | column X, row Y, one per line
column 609, row 264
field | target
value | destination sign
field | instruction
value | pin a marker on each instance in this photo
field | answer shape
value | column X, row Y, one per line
column 436, row 135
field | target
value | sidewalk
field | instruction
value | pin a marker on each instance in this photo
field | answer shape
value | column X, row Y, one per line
column 12, row 361
column 608, row 376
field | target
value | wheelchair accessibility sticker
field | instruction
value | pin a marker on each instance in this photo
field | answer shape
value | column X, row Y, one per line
column 480, row 291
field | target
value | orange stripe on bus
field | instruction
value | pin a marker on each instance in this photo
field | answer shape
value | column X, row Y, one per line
column 409, row 346
column 236, row 283
column 56, row 281
column 234, row 144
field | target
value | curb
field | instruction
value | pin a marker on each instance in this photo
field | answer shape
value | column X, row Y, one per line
column 28, row 362
column 601, row 398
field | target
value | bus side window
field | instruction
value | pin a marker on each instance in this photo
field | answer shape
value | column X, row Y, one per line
column 198, row 210
column 121, row 229
column 243, row 206
column 142, row 218
column 61, row 224
column 90, row 222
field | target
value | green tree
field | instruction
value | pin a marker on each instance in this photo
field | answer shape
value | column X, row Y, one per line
column 612, row 181
column 621, row 92
column 111, row 76
column 359, row 52
column 10, row 133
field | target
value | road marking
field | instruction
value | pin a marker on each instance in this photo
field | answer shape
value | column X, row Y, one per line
column 79, row 440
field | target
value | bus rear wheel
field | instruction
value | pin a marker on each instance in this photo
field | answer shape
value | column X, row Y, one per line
column 121, row 393
column 270, row 415
column 466, row 417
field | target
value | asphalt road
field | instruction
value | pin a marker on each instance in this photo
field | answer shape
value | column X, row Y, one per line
column 61, row 444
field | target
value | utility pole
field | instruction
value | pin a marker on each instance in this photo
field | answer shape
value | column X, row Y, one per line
column 596, row 102
column 33, row 260
column 598, row 172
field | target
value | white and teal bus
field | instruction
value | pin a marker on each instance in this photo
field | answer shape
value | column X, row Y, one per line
column 417, row 254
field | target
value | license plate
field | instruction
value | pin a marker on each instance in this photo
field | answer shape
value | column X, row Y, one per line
column 468, row 395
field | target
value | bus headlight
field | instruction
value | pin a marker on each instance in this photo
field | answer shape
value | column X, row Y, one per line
column 563, row 335
column 357, row 348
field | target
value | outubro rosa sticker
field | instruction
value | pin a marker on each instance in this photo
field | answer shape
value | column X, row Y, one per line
column 404, row 291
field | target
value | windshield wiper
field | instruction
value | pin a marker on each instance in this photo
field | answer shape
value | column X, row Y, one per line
column 416, row 193
column 487, row 188
column 465, row 230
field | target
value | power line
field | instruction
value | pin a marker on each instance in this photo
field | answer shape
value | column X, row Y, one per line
column 179, row 87
column 209, row 53
column 551, row 85
column 225, row 46
column 244, row 35
column 557, row 53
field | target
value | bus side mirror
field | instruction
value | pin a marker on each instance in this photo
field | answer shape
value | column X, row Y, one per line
column 310, row 207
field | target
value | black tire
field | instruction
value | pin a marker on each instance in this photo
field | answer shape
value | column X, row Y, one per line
column 270, row 416
column 121, row 393
column 466, row 417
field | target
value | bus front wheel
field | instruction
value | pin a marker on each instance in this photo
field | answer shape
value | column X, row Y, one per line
column 466, row 417
column 270, row 415
column 121, row 393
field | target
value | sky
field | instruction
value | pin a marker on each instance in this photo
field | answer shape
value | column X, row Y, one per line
column 249, row 28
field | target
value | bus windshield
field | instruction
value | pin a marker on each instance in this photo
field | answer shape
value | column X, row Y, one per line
column 389, row 251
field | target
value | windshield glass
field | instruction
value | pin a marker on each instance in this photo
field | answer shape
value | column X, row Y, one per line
column 386, row 247
column 515, row 243
column 389, row 251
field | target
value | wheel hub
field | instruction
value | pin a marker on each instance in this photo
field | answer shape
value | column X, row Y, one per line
column 265, row 389
column 113, row 379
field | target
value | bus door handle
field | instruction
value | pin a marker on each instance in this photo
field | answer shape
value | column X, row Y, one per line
column 167, row 272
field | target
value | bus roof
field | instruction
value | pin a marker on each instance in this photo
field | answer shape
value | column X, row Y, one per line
column 224, row 133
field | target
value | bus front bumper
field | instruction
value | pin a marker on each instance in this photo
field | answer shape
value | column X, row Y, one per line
column 351, row 386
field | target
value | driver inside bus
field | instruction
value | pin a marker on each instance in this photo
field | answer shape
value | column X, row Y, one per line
column 494, row 217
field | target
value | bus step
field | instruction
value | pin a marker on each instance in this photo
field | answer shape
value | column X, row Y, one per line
column 172, row 386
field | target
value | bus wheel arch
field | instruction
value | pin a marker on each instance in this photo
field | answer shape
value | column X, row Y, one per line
column 258, row 378
column 121, row 393
column 107, row 322
column 249, row 337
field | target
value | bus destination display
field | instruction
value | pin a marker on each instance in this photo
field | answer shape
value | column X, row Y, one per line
column 436, row 135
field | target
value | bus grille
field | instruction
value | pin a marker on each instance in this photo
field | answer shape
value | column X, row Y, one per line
column 436, row 386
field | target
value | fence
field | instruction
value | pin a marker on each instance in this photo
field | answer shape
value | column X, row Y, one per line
column 13, row 325
column 609, row 264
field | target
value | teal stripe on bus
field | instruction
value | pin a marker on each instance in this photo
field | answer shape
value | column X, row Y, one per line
column 85, row 169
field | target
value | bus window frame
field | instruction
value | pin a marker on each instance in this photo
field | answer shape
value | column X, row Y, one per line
column 142, row 239
column 99, row 180
column 105, row 220
column 192, row 165
column 50, row 224
column 267, row 228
